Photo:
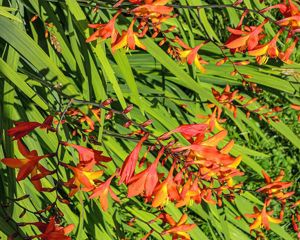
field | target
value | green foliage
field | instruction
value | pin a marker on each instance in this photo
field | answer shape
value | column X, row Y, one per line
column 31, row 67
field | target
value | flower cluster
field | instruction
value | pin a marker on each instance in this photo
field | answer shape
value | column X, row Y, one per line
column 232, row 100
column 149, row 18
column 274, row 190
column 191, row 164
column 199, row 171
column 250, row 38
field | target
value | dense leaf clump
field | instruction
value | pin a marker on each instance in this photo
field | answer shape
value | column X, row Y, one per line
column 149, row 119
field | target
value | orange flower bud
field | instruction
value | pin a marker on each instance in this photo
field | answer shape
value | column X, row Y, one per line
column 295, row 107
column 250, row 102
column 109, row 115
column 247, row 76
column 127, row 124
column 233, row 73
column 46, row 33
column 242, row 63
column 222, row 61
column 107, row 102
column 147, row 123
column 34, row 18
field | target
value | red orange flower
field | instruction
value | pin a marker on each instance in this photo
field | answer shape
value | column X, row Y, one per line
column 88, row 157
column 153, row 9
column 262, row 218
column 104, row 31
column 247, row 38
column 28, row 165
column 292, row 15
column 211, row 162
column 190, row 55
column 131, row 1
column 52, row 231
column 128, row 167
column 146, row 180
column 213, row 121
column 166, row 190
column 285, row 56
column 179, row 229
column 82, row 176
column 262, row 52
column 226, row 98
column 275, row 188
column 23, row 128
column 188, row 131
column 102, row 191
column 189, row 192
column 128, row 39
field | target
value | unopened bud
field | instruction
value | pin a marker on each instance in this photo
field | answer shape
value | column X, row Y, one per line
column 34, row 18
column 222, row 61
column 147, row 123
column 277, row 109
column 162, row 42
column 107, row 102
column 128, row 109
column 242, row 63
column 233, row 73
column 65, row 201
column 109, row 115
column 60, row 213
column 127, row 124
column 247, row 76
column 248, row 114
column 238, row 2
